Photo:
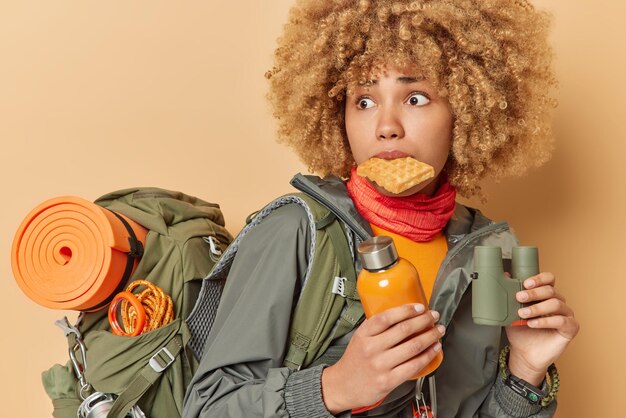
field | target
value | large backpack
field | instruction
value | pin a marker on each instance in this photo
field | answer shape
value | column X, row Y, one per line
column 183, row 256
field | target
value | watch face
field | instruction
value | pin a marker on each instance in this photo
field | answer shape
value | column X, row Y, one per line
column 524, row 389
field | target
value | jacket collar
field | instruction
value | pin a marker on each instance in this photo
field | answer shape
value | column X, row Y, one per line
column 467, row 228
column 332, row 192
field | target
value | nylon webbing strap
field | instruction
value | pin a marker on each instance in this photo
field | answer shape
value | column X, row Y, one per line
column 158, row 363
column 136, row 251
column 325, row 221
column 297, row 351
column 353, row 312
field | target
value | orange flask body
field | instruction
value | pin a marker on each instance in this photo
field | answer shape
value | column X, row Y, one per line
column 390, row 286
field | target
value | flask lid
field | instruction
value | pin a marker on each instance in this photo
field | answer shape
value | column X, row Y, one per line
column 377, row 253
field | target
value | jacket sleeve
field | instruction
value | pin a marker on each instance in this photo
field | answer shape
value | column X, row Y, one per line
column 502, row 401
column 241, row 373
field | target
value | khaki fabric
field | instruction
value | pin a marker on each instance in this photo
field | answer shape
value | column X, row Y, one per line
column 241, row 374
column 176, row 258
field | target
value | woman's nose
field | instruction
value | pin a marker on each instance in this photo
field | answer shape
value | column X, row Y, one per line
column 389, row 126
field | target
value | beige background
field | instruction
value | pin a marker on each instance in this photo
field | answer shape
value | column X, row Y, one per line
column 96, row 96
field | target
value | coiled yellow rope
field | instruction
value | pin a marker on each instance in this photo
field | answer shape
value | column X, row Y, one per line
column 158, row 307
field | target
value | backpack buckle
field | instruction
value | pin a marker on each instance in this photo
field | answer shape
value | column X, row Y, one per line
column 161, row 360
column 339, row 286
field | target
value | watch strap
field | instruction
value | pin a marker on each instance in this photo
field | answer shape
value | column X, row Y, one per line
column 525, row 389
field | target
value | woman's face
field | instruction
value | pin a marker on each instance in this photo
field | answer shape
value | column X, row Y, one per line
column 399, row 115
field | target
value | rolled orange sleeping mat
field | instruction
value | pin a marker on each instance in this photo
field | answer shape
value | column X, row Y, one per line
column 69, row 253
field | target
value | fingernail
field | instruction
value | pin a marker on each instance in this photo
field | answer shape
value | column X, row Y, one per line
column 524, row 312
column 522, row 296
column 441, row 329
column 435, row 315
column 529, row 283
column 437, row 347
column 533, row 323
column 419, row 308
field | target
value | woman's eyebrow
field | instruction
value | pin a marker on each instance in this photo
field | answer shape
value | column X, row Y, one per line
column 408, row 80
column 402, row 79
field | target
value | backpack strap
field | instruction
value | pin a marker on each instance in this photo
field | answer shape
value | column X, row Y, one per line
column 200, row 320
column 333, row 282
column 328, row 306
column 353, row 311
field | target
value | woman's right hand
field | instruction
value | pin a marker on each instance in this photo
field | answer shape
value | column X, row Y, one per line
column 386, row 350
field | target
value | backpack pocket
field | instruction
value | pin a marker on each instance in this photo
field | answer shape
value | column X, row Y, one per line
column 61, row 386
column 113, row 362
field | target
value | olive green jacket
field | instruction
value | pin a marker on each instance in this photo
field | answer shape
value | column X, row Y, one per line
column 241, row 372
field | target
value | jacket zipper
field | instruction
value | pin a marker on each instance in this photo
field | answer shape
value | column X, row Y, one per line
column 469, row 238
column 500, row 226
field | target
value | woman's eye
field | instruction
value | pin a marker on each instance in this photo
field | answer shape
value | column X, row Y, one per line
column 418, row 99
column 365, row 103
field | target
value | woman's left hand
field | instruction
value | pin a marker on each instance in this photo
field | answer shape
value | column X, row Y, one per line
column 551, row 327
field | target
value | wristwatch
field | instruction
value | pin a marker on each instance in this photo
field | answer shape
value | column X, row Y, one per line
column 531, row 393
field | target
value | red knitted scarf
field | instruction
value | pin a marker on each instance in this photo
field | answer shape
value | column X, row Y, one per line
column 418, row 217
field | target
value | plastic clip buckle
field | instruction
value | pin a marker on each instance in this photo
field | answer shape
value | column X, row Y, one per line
column 339, row 286
column 162, row 355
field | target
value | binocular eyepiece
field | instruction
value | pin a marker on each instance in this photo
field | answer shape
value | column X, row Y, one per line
column 493, row 292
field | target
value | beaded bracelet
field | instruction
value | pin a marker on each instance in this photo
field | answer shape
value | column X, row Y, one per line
column 552, row 378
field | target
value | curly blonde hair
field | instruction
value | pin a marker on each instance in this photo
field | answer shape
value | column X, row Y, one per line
column 489, row 58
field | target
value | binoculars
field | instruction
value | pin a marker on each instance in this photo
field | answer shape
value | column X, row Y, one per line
column 493, row 293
